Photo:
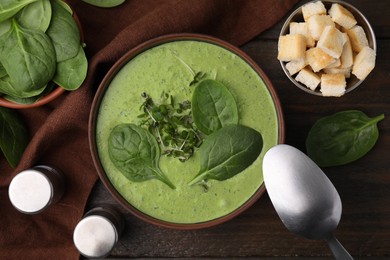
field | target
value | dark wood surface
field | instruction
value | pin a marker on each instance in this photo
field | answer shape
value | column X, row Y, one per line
column 364, row 185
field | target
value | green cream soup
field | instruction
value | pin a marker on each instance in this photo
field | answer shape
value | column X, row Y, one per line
column 169, row 68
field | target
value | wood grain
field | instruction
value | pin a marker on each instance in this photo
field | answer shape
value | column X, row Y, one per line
column 364, row 185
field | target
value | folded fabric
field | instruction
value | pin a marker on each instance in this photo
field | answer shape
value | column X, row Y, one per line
column 59, row 130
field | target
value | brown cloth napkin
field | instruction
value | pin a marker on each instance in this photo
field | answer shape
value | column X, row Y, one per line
column 59, row 130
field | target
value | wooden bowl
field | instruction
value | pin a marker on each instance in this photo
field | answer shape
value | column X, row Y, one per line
column 104, row 86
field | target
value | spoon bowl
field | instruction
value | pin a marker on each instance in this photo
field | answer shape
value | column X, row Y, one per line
column 304, row 198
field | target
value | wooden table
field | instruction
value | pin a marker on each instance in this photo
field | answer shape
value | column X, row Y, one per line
column 364, row 185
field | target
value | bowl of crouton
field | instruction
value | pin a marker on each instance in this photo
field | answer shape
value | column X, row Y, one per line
column 327, row 48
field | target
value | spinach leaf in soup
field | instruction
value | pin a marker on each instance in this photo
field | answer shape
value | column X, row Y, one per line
column 227, row 152
column 13, row 135
column 64, row 33
column 342, row 137
column 105, row 3
column 213, row 106
column 29, row 58
column 70, row 74
column 136, row 154
column 36, row 15
column 9, row 8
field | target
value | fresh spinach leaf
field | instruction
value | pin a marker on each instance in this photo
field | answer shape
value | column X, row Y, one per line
column 13, row 135
column 65, row 6
column 31, row 100
column 5, row 26
column 64, row 33
column 135, row 152
column 28, row 57
column 9, row 8
column 342, row 137
column 227, row 152
column 105, row 3
column 213, row 106
column 3, row 72
column 36, row 15
column 71, row 73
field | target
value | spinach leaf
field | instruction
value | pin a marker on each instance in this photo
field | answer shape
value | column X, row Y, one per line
column 36, row 15
column 65, row 6
column 5, row 26
column 105, row 3
column 71, row 73
column 13, row 135
column 227, row 152
column 3, row 72
column 28, row 57
column 342, row 137
column 9, row 8
column 135, row 152
column 213, row 106
column 64, row 33
column 31, row 100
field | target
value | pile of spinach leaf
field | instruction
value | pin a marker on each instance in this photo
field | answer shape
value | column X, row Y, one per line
column 39, row 45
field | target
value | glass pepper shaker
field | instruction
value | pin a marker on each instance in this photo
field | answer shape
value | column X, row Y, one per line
column 33, row 190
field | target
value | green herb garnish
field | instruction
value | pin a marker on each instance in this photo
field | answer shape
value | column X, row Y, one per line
column 342, row 137
column 172, row 125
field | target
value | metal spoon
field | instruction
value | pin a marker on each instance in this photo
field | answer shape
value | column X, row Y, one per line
column 304, row 198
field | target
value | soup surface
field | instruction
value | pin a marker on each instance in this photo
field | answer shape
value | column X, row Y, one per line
column 168, row 68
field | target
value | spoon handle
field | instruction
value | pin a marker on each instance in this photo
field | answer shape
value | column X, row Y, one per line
column 339, row 252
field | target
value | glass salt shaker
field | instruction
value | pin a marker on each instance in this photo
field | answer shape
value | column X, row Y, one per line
column 98, row 231
column 32, row 190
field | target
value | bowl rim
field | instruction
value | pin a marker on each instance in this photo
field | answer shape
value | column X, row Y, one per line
column 132, row 53
column 350, row 7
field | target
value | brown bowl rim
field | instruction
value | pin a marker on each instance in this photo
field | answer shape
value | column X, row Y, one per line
column 101, row 91
column 56, row 92
column 355, row 11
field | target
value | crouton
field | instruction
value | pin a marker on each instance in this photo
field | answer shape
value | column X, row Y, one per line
column 318, row 59
column 295, row 66
column 334, row 64
column 333, row 85
column 317, row 24
column 302, row 28
column 314, row 8
column 364, row 63
column 342, row 16
column 308, row 78
column 291, row 47
column 345, row 71
column 332, row 41
column 346, row 57
column 358, row 38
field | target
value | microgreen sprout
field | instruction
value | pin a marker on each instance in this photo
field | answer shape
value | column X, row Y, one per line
column 172, row 125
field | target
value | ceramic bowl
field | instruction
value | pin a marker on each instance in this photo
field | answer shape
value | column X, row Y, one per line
column 95, row 116
column 296, row 16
